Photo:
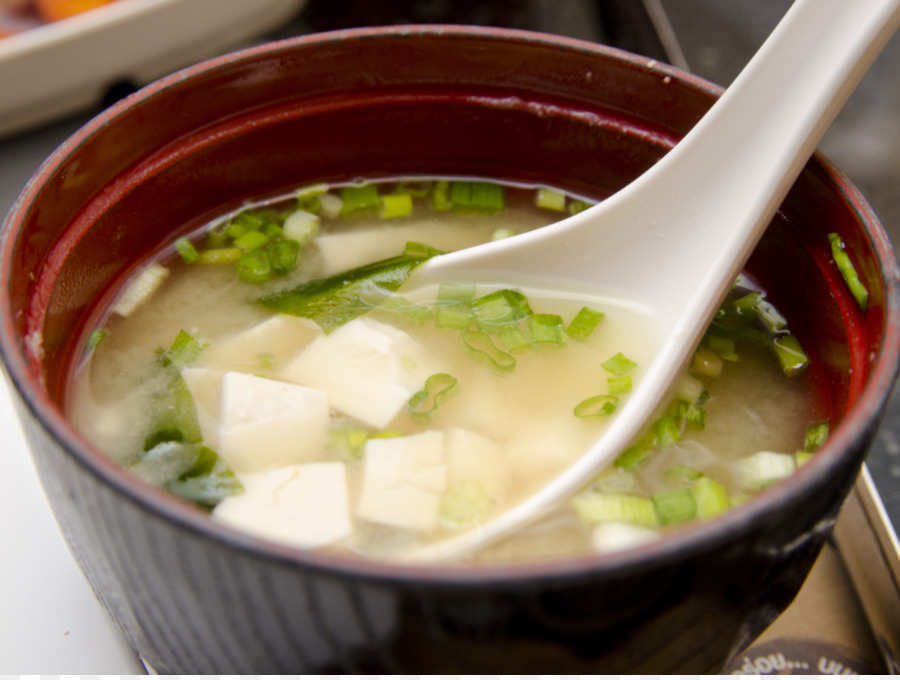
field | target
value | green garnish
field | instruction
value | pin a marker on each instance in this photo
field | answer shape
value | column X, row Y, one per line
column 848, row 271
column 464, row 505
column 674, row 506
column 592, row 408
column 550, row 199
column 619, row 364
column 423, row 405
column 334, row 300
column 816, row 436
column 360, row 200
column 186, row 250
column 584, row 323
column 594, row 507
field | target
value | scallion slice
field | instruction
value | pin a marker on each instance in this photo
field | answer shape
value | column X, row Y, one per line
column 220, row 256
column 481, row 346
column 254, row 267
column 251, row 240
column 477, row 197
column 283, row 255
column 584, row 323
column 347, row 444
column 816, row 435
column 848, row 271
column 396, row 205
column 710, row 497
column 301, row 226
column 675, row 506
column 632, row 457
column 423, row 405
column 186, row 250
column 594, row 507
column 619, row 364
column 360, row 200
column 756, row 472
column 550, row 199
column 790, row 355
column 599, row 406
column 619, row 384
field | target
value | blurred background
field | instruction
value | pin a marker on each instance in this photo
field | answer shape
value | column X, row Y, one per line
column 114, row 51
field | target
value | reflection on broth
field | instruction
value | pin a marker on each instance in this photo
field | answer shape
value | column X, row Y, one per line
column 268, row 370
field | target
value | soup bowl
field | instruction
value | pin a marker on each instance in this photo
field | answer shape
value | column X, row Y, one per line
column 195, row 596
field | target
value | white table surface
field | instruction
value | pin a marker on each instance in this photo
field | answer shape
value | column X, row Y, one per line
column 50, row 621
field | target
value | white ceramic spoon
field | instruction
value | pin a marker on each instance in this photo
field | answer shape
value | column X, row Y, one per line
column 675, row 239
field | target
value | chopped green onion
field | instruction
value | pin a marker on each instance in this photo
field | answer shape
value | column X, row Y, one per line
column 477, row 197
column 500, row 307
column 706, row 362
column 424, row 404
column 456, row 292
column 301, row 226
column 690, row 389
column 550, row 199
column 666, row 430
column 330, row 205
column 618, row 364
column 254, row 267
column 754, row 306
column 311, row 190
column 547, row 328
column 675, row 506
column 577, row 206
column 763, row 468
column 631, row 458
column 596, row 407
column 455, row 315
column 396, row 205
column 619, row 384
column 283, row 255
column 790, row 355
column 440, row 199
column 216, row 238
column 710, row 497
column 464, row 505
column 480, row 346
column 594, row 507
column 722, row 346
column 220, row 256
column 360, row 200
column 94, row 339
column 803, row 457
column 513, row 337
column 816, row 435
column 266, row 360
column 251, row 240
column 186, row 249
column 584, row 323
column 848, row 271
column 249, row 220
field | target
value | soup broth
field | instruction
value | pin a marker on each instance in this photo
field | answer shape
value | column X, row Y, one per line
column 228, row 374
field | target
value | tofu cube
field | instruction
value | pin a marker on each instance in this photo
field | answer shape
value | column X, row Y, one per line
column 368, row 369
column 471, row 456
column 274, row 341
column 302, row 505
column 403, row 481
column 267, row 423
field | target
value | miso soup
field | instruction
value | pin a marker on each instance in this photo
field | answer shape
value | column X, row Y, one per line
column 271, row 369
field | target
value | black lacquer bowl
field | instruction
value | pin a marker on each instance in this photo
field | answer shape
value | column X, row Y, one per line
column 196, row 597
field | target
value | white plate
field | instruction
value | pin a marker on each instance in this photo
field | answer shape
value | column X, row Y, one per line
column 69, row 65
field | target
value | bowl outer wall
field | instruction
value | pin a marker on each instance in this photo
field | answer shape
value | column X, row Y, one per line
column 471, row 619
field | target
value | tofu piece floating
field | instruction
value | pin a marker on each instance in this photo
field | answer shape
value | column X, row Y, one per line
column 368, row 369
column 403, row 481
column 302, row 505
column 268, row 423
column 343, row 251
column 471, row 456
column 274, row 341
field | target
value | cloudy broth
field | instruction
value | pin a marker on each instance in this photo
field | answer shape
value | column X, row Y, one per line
column 408, row 421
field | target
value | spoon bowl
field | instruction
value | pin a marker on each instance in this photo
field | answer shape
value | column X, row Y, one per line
column 673, row 241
